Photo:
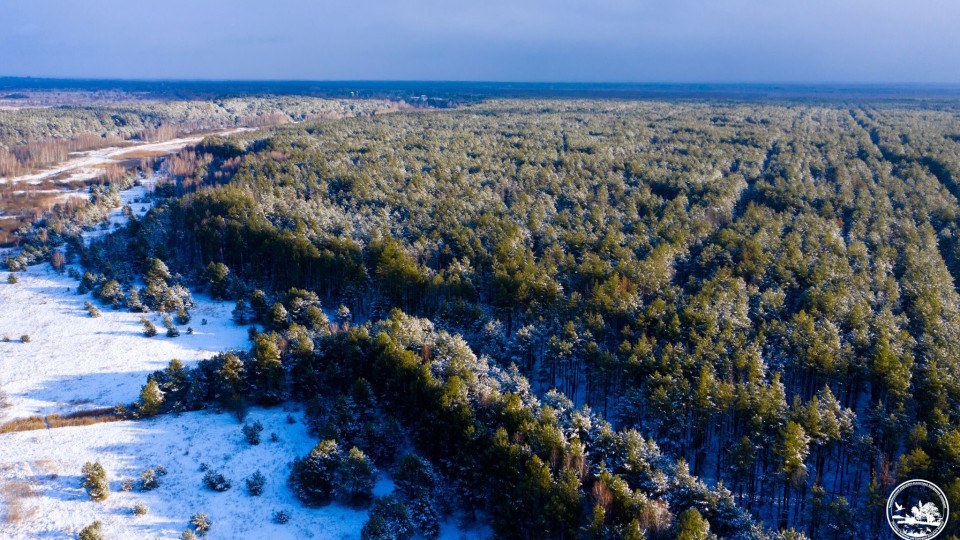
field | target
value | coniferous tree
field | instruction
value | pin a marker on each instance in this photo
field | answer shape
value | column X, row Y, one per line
column 312, row 476
column 95, row 481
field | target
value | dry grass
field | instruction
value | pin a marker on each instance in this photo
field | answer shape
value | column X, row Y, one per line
column 85, row 418
column 14, row 494
column 82, row 418
column 24, row 424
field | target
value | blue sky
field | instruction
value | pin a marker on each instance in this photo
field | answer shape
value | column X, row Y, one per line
column 518, row 40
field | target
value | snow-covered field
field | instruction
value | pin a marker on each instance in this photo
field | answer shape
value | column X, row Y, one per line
column 74, row 361
column 45, row 466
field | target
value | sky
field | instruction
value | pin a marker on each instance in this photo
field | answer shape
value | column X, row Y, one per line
column 836, row 41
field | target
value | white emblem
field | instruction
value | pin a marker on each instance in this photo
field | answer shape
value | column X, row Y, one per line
column 917, row 510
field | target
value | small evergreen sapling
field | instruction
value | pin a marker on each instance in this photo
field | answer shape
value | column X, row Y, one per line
column 94, row 531
column 172, row 330
column 252, row 432
column 95, row 481
column 255, row 484
column 148, row 480
column 215, row 481
column 140, row 509
column 91, row 309
column 201, row 523
column 12, row 279
column 280, row 517
column 149, row 329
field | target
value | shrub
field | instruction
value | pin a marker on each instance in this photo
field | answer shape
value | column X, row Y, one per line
column 215, row 481
column 126, row 484
column 25, row 338
column 255, row 484
column 252, row 432
column 149, row 329
column 172, row 330
column 91, row 309
column 140, row 509
column 201, row 523
column 188, row 535
column 183, row 317
column 94, row 531
column 281, row 517
column 161, row 470
column 95, row 481
column 12, row 279
column 148, row 480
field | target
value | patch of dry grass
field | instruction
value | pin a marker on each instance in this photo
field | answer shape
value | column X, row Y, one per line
column 81, row 418
column 14, row 494
column 23, row 424
column 85, row 418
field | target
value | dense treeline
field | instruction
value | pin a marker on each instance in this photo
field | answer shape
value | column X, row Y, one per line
column 764, row 290
column 37, row 137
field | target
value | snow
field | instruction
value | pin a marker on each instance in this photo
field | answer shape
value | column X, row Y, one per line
column 74, row 361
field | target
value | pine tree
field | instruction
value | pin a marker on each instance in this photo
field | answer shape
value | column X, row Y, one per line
column 240, row 312
column 355, row 477
column 268, row 373
column 691, row 526
column 279, row 318
column 389, row 520
column 151, row 398
column 414, row 477
column 343, row 316
column 312, row 477
column 95, row 481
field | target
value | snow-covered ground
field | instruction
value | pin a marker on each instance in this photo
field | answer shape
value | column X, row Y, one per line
column 74, row 361
column 44, row 468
